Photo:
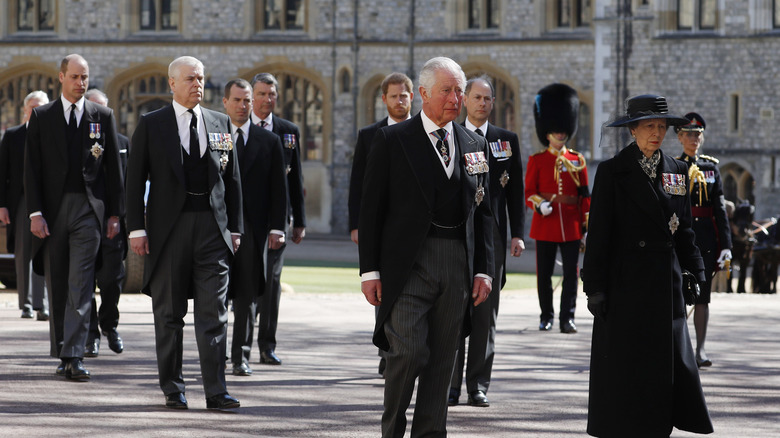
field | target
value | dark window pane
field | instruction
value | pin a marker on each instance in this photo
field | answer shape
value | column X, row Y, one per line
column 494, row 11
column 170, row 14
column 147, row 15
column 474, row 18
column 584, row 13
column 26, row 11
column 564, row 13
column 295, row 14
column 46, row 15
column 273, row 12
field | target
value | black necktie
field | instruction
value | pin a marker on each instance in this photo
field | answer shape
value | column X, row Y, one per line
column 479, row 131
column 194, row 139
column 442, row 146
column 240, row 142
column 72, row 124
column 263, row 123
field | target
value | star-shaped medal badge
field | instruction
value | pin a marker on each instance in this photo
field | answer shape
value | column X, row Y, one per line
column 480, row 194
column 96, row 150
column 504, row 178
column 223, row 160
column 674, row 222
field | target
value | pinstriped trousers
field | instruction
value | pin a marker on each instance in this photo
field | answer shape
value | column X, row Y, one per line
column 423, row 330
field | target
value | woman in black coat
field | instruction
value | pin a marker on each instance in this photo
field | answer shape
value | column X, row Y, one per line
column 643, row 378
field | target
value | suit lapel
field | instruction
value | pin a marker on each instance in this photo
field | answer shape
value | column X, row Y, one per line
column 169, row 138
column 413, row 143
column 212, row 125
column 251, row 148
column 58, row 115
column 464, row 144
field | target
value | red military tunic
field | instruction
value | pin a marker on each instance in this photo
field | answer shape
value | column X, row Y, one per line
column 562, row 189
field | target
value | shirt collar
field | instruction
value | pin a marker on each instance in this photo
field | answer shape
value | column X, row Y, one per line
column 471, row 127
column 429, row 126
column 66, row 104
column 268, row 120
column 180, row 109
column 391, row 121
column 244, row 128
column 557, row 152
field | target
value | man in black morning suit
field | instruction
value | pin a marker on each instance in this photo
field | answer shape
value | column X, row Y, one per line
column 13, row 213
column 426, row 241
column 111, row 273
column 191, row 229
column 265, row 89
column 264, row 184
column 506, row 197
column 72, row 181
column 397, row 95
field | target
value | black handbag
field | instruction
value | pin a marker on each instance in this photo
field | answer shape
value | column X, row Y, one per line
column 690, row 288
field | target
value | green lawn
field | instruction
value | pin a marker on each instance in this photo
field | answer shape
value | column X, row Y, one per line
column 340, row 279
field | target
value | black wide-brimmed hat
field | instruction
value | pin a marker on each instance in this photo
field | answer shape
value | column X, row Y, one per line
column 648, row 106
column 695, row 123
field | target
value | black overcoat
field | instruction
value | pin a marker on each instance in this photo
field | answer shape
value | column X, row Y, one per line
column 643, row 376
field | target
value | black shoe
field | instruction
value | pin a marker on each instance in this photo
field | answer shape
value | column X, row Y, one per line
column 74, row 370
column 269, row 358
column 382, row 366
column 222, row 401
column 703, row 361
column 176, row 401
column 61, row 368
column 43, row 316
column 27, row 314
column 114, row 341
column 478, row 398
column 242, row 369
column 452, row 400
column 568, row 326
column 93, row 348
column 545, row 325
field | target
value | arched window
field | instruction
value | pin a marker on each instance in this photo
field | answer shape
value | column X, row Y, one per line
column 379, row 108
column 15, row 89
column 345, row 80
column 139, row 96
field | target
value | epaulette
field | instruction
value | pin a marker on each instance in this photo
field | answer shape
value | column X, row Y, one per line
column 709, row 158
column 540, row 152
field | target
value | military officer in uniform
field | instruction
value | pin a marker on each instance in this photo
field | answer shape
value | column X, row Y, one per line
column 556, row 188
column 710, row 221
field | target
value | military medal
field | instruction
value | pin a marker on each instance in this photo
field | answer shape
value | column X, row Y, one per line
column 500, row 149
column 223, row 160
column 96, row 150
column 674, row 184
column 476, row 163
column 221, row 142
column 289, row 141
column 504, row 178
column 480, row 194
column 94, row 130
column 674, row 222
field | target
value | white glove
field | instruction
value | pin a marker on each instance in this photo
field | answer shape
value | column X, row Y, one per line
column 545, row 208
column 724, row 255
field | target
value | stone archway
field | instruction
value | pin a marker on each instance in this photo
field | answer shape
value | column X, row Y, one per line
column 137, row 92
column 20, row 81
column 738, row 183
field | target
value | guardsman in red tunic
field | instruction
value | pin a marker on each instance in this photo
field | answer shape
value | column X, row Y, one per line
column 556, row 188
column 710, row 221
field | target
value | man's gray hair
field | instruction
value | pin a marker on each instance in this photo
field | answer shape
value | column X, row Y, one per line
column 266, row 78
column 427, row 76
column 173, row 68
column 37, row 94
column 93, row 92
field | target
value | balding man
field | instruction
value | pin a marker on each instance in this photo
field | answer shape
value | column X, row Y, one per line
column 189, row 229
column 72, row 182
column 13, row 213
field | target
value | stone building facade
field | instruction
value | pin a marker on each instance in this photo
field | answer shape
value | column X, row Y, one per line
column 716, row 57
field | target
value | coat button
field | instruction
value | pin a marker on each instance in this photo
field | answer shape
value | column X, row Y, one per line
column 641, row 243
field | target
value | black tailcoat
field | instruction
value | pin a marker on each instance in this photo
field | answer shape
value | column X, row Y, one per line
column 359, row 159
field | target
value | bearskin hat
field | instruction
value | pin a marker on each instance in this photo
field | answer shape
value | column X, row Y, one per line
column 556, row 107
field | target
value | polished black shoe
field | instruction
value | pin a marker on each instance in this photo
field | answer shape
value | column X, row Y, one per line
column 176, row 401
column 42, row 316
column 568, row 326
column 545, row 325
column 114, row 341
column 479, row 399
column 242, row 369
column 703, row 361
column 61, row 368
column 269, row 358
column 93, row 348
column 452, row 400
column 28, row 314
column 74, row 370
column 222, row 401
